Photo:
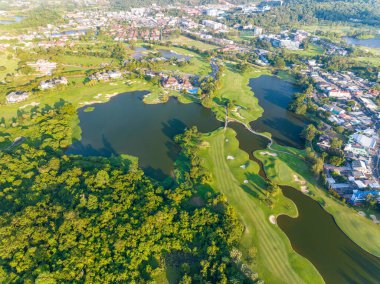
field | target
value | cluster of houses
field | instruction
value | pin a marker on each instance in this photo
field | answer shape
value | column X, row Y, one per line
column 286, row 39
column 348, row 100
column 123, row 33
column 329, row 47
column 105, row 76
column 51, row 83
column 43, row 66
column 174, row 82
column 215, row 26
column 177, row 83
column 355, row 180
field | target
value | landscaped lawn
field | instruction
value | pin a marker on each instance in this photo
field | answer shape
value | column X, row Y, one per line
column 360, row 229
column 83, row 61
column 276, row 261
column 311, row 51
column 191, row 42
column 234, row 87
column 341, row 29
column 9, row 64
column 198, row 66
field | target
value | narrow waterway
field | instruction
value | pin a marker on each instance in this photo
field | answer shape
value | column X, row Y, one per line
column 315, row 235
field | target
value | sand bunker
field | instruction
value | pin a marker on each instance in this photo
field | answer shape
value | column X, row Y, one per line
column 272, row 219
column 268, row 154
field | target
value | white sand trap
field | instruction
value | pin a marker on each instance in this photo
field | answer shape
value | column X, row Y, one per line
column 243, row 167
column 91, row 103
column 111, row 95
column 304, row 189
column 268, row 154
column 361, row 213
column 272, row 219
column 226, row 140
column 31, row 104
column 374, row 219
column 246, row 181
column 230, row 158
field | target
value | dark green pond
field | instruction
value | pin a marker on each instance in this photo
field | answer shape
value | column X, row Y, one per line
column 274, row 95
column 315, row 235
column 125, row 125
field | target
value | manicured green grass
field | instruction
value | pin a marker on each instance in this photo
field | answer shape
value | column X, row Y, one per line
column 276, row 261
column 9, row 64
column 83, row 61
column 192, row 43
column 89, row 109
column 281, row 170
column 234, row 87
column 340, row 29
column 311, row 51
column 198, row 66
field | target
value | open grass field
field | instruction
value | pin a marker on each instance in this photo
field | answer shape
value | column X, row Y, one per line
column 198, row 66
column 360, row 229
column 83, row 61
column 276, row 262
column 9, row 64
column 340, row 29
column 373, row 57
column 192, row 43
column 311, row 51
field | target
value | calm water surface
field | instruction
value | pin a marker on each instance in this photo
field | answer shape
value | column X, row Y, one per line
column 125, row 125
column 370, row 42
column 315, row 235
column 274, row 95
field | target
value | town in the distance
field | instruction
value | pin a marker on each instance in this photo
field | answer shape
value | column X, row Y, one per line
column 189, row 142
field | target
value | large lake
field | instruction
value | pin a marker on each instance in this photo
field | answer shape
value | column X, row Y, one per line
column 370, row 42
column 125, row 125
column 274, row 95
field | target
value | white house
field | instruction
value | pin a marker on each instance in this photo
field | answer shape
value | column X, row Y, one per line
column 16, row 97
column 339, row 94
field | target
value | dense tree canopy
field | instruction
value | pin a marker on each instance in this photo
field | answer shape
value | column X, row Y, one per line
column 70, row 218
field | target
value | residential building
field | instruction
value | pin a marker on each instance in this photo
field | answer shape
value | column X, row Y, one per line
column 17, row 96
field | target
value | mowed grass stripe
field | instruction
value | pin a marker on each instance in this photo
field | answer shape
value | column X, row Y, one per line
column 272, row 249
column 229, row 188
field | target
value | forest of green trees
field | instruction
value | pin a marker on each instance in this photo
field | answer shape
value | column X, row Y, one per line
column 67, row 218
column 314, row 11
